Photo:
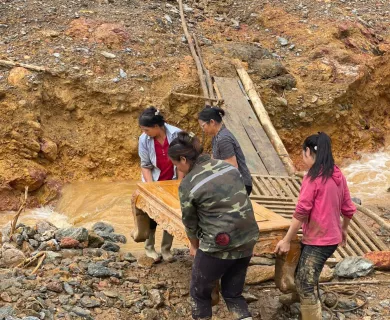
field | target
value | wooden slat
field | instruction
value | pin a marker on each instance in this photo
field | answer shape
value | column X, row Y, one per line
column 234, row 99
column 374, row 237
column 255, row 137
column 363, row 235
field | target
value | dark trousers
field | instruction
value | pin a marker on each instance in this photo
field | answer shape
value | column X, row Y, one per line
column 307, row 274
column 206, row 270
column 249, row 190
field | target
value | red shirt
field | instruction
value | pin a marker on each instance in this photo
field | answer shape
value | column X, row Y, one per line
column 163, row 161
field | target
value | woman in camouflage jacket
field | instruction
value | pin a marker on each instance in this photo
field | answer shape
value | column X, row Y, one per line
column 220, row 224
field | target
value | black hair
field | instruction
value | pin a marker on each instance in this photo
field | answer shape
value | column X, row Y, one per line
column 211, row 113
column 185, row 145
column 151, row 117
column 321, row 146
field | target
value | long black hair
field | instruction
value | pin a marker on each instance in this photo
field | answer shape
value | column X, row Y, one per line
column 211, row 113
column 151, row 117
column 320, row 145
column 185, row 145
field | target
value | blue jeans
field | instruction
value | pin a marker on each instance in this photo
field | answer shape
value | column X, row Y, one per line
column 310, row 265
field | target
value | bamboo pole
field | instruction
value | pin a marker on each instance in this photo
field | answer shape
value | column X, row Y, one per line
column 8, row 63
column 190, row 41
column 373, row 216
column 21, row 209
column 264, row 118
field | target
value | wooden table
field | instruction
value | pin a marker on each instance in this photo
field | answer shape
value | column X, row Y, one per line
column 160, row 201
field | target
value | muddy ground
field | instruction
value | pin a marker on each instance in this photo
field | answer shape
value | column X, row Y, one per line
column 318, row 65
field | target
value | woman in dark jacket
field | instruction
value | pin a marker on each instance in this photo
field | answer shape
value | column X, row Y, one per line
column 220, row 224
column 225, row 145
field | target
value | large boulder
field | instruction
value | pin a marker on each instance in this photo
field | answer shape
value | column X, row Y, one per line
column 258, row 274
column 354, row 267
column 79, row 234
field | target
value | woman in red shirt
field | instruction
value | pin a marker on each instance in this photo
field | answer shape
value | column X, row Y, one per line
column 324, row 196
column 156, row 166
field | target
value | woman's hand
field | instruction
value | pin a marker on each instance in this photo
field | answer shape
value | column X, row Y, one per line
column 193, row 250
column 345, row 237
column 282, row 247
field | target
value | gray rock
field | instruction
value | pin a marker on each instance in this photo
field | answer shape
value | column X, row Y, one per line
column 81, row 312
column 79, row 234
column 52, row 256
column 33, row 243
column 249, row 297
column 156, row 297
column 104, row 227
column 113, row 237
column 88, row 302
column 6, row 311
column 283, row 41
column 100, row 271
column 63, row 299
column 122, row 73
column 268, row 68
column 42, row 226
column 354, row 267
column 129, row 257
column 68, row 289
column 109, row 246
column 168, row 18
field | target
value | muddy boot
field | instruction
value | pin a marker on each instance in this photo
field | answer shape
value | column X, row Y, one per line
column 149, row 246
column 289, row 298
column 311, row 311
column 166, row 244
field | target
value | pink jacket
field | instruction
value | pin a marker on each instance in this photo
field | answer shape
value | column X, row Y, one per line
column 319, row 206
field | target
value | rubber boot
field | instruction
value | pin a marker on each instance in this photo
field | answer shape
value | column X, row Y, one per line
column 149, row 246
column 311, row 311
column 166, row 244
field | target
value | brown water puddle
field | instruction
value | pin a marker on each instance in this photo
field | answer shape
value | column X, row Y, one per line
column 84, row 203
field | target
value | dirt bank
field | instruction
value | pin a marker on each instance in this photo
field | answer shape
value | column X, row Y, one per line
column 317, row 65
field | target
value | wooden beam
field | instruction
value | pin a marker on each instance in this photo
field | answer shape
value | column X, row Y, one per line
column 264, row 118
column 193, row 96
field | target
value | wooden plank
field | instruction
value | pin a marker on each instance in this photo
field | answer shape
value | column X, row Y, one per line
column 367, row 235
column 234, row 124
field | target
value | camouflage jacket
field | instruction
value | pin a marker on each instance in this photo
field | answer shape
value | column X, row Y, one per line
column 217, row 210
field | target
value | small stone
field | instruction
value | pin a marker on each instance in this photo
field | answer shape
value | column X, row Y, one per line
column 98, row 270
column 81, row 312
column 327, row 274
column 282, row 101
column 302, row 114
column 145, row 262
column 5, row 297
column 129, row 257
column 69, row 243
column 111, row 294
column 55, row 287
column 116, row 80
column 168, row 18
column 88, row 302
column 249, row 297
column 108, row 55
column 49, row 149
column 292, row 47
column 109, row 246
column 150, row 314
column 52, row 256
column 122, row 73
column 42, row 226
column 94, row 240
column 283, row 41
column 68, row 289
column 262, row 261
column 57, row 55
column 156, row 297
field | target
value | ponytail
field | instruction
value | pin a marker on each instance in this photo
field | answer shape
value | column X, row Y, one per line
column 151, row 117
column 185, row 145
column 320, row 145
column 211, row 113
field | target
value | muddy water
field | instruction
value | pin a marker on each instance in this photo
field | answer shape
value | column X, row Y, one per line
column 84, row 203
column 369, row 178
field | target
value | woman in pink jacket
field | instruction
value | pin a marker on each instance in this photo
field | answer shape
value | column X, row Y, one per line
column 324, row 196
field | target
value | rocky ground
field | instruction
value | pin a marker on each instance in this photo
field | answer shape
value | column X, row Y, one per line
column 318, row 65
column 84, row 275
